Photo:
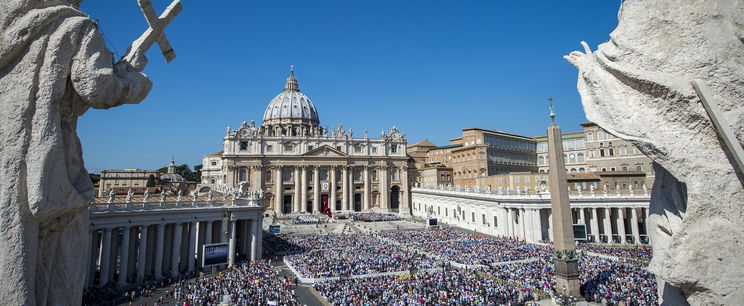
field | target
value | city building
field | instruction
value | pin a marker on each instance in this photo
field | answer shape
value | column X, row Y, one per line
column 305, row 167
column 435, row 176
column 482, row 152
column 488, row 158
column 122, row 180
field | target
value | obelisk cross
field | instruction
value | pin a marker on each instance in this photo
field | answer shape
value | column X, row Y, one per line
column 155, row 32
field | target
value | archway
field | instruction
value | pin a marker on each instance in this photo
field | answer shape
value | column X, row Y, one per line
column 394, row 198
column 357, row 202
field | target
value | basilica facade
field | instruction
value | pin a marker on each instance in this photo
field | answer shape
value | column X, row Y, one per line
column 304, row 167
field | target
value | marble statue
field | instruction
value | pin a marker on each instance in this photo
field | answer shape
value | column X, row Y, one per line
column 54, row 66
column 112, row 196
column 637, row 86
column 130, row 194
column 209, row 195
column 162, row 195
column 146, row 195
column 227, row 130
column 194, row 195
column 180, row 193
column 365, row 134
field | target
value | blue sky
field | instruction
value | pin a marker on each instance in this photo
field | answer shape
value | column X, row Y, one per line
column 429, row 67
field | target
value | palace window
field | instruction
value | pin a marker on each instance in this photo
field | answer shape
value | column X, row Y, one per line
column 243, row 145
column 310, row 148
column 338, row 148
column 288, row 147
column 483, row 218
column 374, row 150
column 358, row 148
column 495, row 222
column 269, row 148
column 580, row 157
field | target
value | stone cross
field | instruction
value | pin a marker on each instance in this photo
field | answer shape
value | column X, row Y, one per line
column 155, row 31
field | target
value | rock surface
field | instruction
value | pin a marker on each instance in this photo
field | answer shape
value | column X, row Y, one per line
column 54, row 65
column 637, row 86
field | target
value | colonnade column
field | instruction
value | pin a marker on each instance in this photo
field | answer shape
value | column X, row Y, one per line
column 595, row 225
column 621, row 224
column 124, row 257
column 297, row 203
column 634, row 225
column 582, row 214
column 176, row 249
column 332, row 202
column 159, row 251
column 345, row 187
column 365, row 198
column 256, row 236
column 316, row 189
column 536, row 225
column 608, row 224
column 192, row 247
column 522, row 223
column 303, row 192
column 278, row 189
column 231, row 248
column 105, row 262
column 92, row 259
column 142, row 255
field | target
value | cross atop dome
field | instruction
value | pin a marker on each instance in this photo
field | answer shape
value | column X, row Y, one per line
column 291, row 81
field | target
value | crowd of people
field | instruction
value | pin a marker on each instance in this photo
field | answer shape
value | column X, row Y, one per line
column 249, row 283
column 612, row 282
column 373, row 217
column 296, row 244
column 362, row 259
column 441, row 287
column 641, row 254
column 468, row 248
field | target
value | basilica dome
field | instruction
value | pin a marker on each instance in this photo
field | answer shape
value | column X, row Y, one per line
column 291, row 107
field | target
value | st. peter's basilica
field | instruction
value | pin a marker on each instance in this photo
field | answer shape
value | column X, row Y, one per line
column 304, row 167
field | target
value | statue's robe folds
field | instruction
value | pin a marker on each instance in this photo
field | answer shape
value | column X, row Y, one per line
column 637, row 87
column 54, row 65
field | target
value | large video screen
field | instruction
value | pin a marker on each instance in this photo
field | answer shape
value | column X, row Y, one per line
column 215, row 254
column 432, row 222
column 579, row 232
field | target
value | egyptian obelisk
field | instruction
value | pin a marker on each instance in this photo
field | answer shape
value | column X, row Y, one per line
column 564, row 257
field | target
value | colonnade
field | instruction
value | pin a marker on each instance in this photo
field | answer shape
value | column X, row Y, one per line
column 621, row 225
column 136, row 252
column 338, row 187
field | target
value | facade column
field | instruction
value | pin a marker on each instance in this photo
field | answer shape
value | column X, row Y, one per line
column 231, row 256
column 192, row 247
column 510, row 220
column 384, row 188
column 333, row 188
column 114, row 254
column 142, row 254
column 345, row 188
column 303, row 191
column 124, row 257
column 405, row 206
column 297, row 203
column 316, row 189
column 208, row 232
column 105, row 257
column 278, row 190
column 634, row 225
column 608, row 224
column 550, row 225
column 159, row 251
column 621, row 224
column 366, row 196
column 595, row 225
column 176, row 249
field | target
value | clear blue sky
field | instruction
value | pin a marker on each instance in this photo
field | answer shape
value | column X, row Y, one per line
column 429, row 67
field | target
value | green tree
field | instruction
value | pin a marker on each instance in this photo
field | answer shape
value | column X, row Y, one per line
column 151, row 181
column 94, row 178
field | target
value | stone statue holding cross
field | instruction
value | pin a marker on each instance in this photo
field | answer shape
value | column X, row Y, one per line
column 54, row 66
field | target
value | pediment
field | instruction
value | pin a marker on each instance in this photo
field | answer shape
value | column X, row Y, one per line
column 325, row 151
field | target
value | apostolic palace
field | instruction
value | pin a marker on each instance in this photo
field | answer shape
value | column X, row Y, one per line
column 305, row 167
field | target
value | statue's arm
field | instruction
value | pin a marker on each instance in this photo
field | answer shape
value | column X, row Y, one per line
column 100, row 82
